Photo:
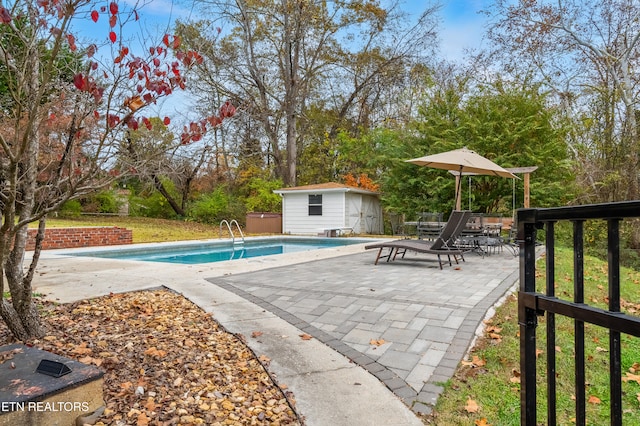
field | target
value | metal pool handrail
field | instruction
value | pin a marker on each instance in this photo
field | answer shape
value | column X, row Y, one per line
column 229, row 224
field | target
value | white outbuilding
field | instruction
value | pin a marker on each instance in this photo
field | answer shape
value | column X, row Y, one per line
column 330, row 209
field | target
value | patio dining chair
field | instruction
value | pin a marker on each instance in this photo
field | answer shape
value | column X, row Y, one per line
column 511, row 241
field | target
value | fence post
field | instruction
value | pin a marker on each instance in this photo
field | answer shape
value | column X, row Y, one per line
column 551, row 325
column 527, row 318
column 615, row 346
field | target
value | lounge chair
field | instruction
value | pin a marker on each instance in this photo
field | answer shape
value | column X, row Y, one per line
column 443, row 244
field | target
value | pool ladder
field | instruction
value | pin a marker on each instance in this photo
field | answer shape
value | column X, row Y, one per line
column 229, row 228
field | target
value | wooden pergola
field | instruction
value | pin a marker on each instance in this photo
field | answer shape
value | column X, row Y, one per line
column 526, row 171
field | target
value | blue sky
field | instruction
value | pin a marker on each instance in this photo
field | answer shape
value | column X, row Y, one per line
column 461, row 26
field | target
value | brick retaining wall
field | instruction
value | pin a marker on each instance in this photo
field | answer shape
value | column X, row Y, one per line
column 58, row 238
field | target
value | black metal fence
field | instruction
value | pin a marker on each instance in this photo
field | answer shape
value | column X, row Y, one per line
column 532, row 304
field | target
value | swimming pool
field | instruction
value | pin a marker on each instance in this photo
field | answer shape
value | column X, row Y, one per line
column 219, row 251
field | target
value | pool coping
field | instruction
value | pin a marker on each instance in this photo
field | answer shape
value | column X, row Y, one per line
column 172, row 245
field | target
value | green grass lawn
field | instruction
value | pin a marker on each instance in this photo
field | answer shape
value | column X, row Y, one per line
column 490, row 381
column 145, row 230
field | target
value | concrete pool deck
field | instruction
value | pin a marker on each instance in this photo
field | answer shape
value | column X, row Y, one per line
column 421, row 319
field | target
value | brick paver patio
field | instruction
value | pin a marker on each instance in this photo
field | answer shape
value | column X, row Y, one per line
column 408, row 323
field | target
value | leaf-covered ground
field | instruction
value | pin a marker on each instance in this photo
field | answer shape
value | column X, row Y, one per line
column 166, row 362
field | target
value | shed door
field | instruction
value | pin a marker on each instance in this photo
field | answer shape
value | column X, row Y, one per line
column 370, row 215
column 354, row 212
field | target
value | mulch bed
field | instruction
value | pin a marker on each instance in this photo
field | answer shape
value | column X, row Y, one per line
column 166, row 362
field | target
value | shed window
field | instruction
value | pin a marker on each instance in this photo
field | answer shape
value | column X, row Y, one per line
column 315, row 205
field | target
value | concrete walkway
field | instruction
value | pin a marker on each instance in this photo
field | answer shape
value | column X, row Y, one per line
column 384, row 336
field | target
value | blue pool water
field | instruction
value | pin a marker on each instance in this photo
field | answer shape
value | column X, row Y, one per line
column 194, row 253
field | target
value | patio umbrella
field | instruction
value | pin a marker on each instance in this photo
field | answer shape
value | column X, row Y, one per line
column 462, row 160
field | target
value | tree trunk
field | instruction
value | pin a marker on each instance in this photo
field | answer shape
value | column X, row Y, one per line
column 23, row 325
column 292, row 15
column 292, row 151
column 162, row 190
column 21, row 314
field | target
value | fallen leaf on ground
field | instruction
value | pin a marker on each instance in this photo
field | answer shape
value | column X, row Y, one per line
column 471, row 406
column 475, row 362
column 594, row 400
column 150, row 405
column 378, row 342
column 264, row 359
column 82, row 349
column 494, row 329
column 306, row 336
column 142, row 420
column 256, row 334
column 155, row 352
column 7, row 355
column 478, row 362
column 91, row 360
column 515, row 378
column 631, row 377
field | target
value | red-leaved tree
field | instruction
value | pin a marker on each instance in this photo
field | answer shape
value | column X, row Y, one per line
column 66, row 109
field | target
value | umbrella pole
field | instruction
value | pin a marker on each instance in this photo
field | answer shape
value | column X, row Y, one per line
column 513, row 199
column 459, row 190
column 469, row 193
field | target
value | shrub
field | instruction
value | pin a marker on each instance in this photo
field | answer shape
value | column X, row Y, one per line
column 71, row 208
column 102, row 202
column 107, row 202
column 215, row 207
column 155, row 205
column 595, row 241
column 261, row 197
